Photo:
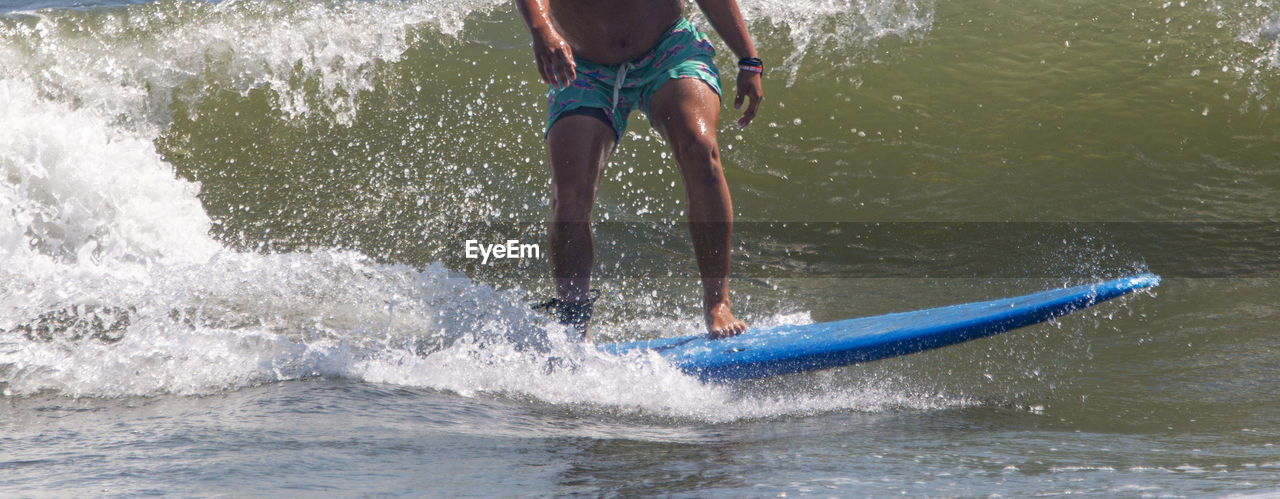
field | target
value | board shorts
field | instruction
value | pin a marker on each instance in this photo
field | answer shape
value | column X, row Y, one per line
column 612, row 91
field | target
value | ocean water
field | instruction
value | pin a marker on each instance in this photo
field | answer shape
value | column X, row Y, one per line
column 233, row 254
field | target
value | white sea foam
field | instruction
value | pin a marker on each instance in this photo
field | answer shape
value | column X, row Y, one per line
column 827, row 28
column 129, row 62
column 243, row 319
column 78, row 190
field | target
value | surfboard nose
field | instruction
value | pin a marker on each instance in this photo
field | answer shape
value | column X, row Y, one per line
column 1146, row 280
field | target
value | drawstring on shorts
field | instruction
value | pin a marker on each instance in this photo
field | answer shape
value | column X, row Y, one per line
column 617, row 84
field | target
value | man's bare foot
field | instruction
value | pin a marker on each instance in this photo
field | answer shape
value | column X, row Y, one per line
column 721, row 323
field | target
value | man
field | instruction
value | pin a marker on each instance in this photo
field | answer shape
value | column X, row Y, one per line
column 603, row 59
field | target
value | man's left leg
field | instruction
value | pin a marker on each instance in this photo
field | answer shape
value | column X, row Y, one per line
column 685, row 112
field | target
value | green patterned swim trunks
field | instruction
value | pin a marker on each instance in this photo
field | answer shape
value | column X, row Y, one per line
column 616, row 89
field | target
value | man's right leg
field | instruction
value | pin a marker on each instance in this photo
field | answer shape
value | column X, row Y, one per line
column 578, row 145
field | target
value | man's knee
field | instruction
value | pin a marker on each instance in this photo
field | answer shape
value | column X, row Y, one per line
column 697, row 148
column 699, row 160
column 571, row 200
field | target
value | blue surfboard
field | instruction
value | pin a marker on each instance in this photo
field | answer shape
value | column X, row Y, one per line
column 791, row 349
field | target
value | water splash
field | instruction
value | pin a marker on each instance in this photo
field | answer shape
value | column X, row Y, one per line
column 76, row 189
column 130, row 62
column 831, row 30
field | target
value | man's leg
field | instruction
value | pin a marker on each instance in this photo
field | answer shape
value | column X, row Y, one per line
column 686, row 111
column 578, row 146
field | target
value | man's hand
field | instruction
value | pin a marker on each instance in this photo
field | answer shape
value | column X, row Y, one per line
column 749, row 86
column 554, row 57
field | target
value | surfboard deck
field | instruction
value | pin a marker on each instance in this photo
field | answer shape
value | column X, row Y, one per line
column 788, row 349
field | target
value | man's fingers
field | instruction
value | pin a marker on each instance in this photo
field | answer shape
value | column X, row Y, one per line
column 555, row 61
column 752, row 108
column 544, row 70
column 556, row 71
column 748, row 88
column 547, row 67
column 750, row 113
column 567, row 72
column 557, row 68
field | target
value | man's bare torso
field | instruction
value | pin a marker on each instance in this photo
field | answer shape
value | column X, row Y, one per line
column 613, row 31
